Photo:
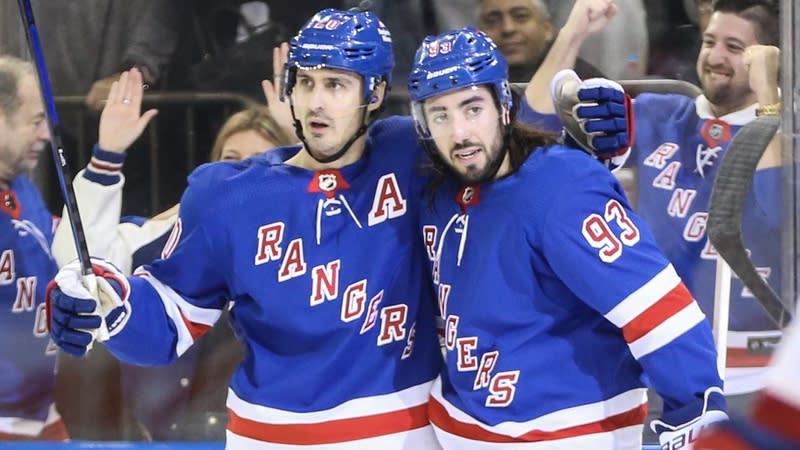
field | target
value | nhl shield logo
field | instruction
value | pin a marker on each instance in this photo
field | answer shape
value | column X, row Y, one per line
column 327, row 182
column 468, row 196
column 9, row 204
column 715, row 131
column 469, row 193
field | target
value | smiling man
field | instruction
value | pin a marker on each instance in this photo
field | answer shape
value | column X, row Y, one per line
column 723, row 64
column 680, row 143
column 524, row 32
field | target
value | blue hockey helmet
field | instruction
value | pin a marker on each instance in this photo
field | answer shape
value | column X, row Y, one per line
column 456, row 60
column 354, row 41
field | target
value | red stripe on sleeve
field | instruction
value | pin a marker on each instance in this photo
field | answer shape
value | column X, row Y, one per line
column 669, row 305
column 103, row 166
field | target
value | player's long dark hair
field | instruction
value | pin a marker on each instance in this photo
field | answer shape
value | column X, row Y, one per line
column 520, row 141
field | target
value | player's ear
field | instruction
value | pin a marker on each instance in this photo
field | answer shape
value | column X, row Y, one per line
column 377, row 97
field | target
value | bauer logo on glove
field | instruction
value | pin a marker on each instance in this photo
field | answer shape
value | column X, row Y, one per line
column 680, row 430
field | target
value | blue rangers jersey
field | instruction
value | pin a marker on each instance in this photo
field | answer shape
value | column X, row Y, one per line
column 556, row 300
column 678, row 149
column 26, row 265
column 334, row 309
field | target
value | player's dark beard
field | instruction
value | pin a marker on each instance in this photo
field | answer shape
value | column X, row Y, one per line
column 494, row 158
column 718, row 95
column 727, row 99
column 726, row 96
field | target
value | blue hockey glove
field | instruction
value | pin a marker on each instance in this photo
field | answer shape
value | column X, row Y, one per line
column 680, row 428
column 79, row 315
column 596, row 115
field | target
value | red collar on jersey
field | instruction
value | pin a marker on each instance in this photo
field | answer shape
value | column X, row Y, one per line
column 10, row 205
column 328, row 181
column 468, row 196
column 715, row 132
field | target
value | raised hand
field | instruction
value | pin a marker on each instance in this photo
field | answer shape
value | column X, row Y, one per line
column 586, row 17
column 763, row 63
column 278, row 108
column 589, row 16
column 121, row 121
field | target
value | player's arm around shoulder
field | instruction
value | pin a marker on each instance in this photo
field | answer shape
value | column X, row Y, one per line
column 564, row 183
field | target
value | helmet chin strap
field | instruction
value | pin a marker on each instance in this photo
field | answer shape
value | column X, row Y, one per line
column 298, row 129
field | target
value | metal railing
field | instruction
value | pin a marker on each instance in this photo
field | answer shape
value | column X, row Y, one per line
column 651, row 85
column 660, row 86
column 180, row 138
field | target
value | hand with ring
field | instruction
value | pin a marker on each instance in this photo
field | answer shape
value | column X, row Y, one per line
column 121, row 121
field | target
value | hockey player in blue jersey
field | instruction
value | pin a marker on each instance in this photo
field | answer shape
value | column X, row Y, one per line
column 556, row 299
column 27, row 410
column 314, row 245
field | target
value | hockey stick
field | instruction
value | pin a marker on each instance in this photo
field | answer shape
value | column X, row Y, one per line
column 727, row 204
column 722, row 307
column 59, row 161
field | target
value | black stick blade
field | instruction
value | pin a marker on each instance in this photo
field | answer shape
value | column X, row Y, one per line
column 728, row 195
